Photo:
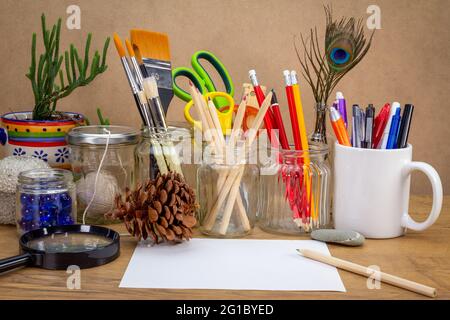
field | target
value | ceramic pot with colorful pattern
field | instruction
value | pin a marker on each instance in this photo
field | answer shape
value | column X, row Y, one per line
column 43, row 139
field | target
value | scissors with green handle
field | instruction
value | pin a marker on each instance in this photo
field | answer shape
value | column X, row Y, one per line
column 201, row 79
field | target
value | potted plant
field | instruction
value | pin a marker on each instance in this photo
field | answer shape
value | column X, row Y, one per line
column 53, row 75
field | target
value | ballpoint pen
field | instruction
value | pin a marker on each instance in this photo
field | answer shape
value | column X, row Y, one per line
column 342, row 108
column 357, row 126
column 380, row 123
column 339, row 127
column 393, row 131
column 370, row 113
column 405, row 124
column 384, row 139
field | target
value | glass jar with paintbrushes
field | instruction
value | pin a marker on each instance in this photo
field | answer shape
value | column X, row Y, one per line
column 156, row 154
column 162, row 150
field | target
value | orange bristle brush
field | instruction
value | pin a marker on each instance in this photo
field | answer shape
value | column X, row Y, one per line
column 153, row 53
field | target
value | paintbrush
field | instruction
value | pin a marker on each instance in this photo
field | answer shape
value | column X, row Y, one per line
column 141, row 102
column 156, row 109
column 153, row 53
column 139, row 96
column 134, row 63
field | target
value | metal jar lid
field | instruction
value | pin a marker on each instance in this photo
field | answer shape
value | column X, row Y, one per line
column 98, row 135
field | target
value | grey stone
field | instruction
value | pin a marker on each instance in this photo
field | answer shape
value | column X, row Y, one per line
column 344, row 237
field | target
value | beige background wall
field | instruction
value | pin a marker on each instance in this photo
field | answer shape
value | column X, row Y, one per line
column 409, row 60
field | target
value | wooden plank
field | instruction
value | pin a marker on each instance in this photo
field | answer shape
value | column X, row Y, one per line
column 423, row 257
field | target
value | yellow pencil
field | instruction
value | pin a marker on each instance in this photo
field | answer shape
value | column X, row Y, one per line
column 304, row 140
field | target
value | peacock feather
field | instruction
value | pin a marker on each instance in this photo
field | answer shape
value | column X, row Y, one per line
column 345, row 46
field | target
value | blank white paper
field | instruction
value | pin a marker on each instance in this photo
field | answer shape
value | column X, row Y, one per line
column 231, row 264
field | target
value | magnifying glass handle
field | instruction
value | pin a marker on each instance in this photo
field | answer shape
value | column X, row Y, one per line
column 21, row 260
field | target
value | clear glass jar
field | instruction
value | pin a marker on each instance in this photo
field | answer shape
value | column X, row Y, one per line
column 117, row 172
column 320, row 128
column 228, row 195
column 45, row 198
column 163, row 150
column 295, row 191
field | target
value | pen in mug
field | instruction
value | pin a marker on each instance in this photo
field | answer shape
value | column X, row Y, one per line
column 405, row 125
column 357, row 126
column 370, row 114
column 393, row 131
column 384, row 139
column 339, row 129
column 342, row 107
column 362, row 126
column 380, row 124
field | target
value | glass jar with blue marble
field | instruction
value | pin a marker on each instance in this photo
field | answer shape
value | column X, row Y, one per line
column 45, row 198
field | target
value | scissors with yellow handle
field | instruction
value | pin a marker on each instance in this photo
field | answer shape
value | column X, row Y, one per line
column 225, row 117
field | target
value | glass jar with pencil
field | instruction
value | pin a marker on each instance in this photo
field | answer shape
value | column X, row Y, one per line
column 228, row 194
column 295, row 191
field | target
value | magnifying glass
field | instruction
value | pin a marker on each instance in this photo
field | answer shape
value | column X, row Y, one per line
column 58, row 247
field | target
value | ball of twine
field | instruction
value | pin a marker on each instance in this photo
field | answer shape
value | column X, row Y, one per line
column 107, row 189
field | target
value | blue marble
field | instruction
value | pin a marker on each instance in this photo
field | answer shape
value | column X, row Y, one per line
column 45, row 210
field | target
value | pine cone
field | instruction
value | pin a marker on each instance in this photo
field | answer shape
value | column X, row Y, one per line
column 163, row 209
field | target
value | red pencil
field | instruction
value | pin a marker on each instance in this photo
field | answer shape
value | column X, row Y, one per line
column 279, row 121
column 268, row 118
column 292, row 110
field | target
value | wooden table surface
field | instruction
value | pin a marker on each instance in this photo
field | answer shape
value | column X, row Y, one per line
column 419, row 256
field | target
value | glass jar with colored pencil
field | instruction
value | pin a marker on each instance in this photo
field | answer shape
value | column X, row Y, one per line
column 295, row 196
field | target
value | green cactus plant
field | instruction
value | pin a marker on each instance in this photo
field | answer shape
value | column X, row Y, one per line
column 49, row 81
column 101, row 120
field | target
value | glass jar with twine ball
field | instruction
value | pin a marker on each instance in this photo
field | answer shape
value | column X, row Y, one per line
column 103, row 165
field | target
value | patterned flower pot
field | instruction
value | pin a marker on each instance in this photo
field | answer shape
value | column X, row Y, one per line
column 44, row 139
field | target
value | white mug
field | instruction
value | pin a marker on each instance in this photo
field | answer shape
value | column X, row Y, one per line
column 371, row 191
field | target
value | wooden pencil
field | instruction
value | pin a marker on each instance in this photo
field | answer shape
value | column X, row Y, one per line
column 365, row 271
